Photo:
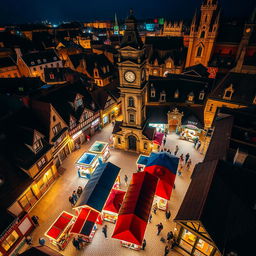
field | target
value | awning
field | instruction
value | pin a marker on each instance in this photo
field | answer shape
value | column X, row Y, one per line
column 85, row 222
column 192, row 120
column 86, row 159
column 158, row 138
column 98, row 188
column 114, row 201
column 135, row 210
column 98, row 147
column 164, row 166
column 59, row 225
column 142, row 160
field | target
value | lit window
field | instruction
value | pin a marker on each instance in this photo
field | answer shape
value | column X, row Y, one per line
column 37, row 146
column 201, row 95
column 10, row 240
column 131, row 118
column 155, row 72
column 51, row 76
column 39, row 61
column 131, row 102
column 176, row 94
column 56, row 129
column 199, row 51
column 191, row 97
column 41, row 162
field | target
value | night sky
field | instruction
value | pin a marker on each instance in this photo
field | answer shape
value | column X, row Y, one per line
column 24, row 11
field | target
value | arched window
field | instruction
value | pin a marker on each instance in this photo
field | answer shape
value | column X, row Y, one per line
column 199, row 51
column 145, row 145
column 202, row 34
column 131, row 102
column 205, row 18
column 131, row 118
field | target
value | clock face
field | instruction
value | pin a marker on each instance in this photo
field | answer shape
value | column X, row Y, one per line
column 143, row 75
column 129, row 76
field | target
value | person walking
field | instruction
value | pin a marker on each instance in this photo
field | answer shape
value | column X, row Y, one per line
column 166, row 250
column 28, row 240
column 144, row 244
column 125, row 180
column 195, row 142
column 71, row 200
column 187, row 156
column 176, row 150
column 167, row 214
column 150, row 218
column 41, row 241
column 105, row 231
column 154, row 208
column 164, row 141
column 74, row 196
column 188, row 164
column 79, row 191
column 180, row 170
column 35, row 220
column 81, row 241
column 159, row 228
column 169, row 236
column 76, row 243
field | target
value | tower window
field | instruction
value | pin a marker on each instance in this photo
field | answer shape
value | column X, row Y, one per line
column 202, row 34
column 162, row 96
column 131, row 102
column 119, row 140
column 131, row 118
column 211, row 107
column 199, row 51
column 206, row 18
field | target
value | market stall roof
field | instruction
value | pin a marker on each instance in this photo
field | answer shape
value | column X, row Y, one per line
column 40, row 251
column 142, row 160
column 158, row 138
column 86, row 159
column 85, row 222
column 97, row 190
column 59, row 225
column 164, row 166
column 98, row 147
column 135, row 210
column 114, row 201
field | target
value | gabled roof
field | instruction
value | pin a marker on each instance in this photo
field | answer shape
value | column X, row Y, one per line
column 44, row 57
column 7, row 62
column 244, row 86
column 198, row 70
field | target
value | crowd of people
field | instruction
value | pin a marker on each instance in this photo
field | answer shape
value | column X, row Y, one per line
column 75, row 195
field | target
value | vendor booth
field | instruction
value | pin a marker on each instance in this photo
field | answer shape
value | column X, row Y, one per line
column 159, row 127
column 164, row 166
column 86, row 165
column 98, row 188
column 58, row 233
column 158, row 140
column 112, row 206
column 141, row 162
column 100, row 148
column 85, row 224
column 135, row 210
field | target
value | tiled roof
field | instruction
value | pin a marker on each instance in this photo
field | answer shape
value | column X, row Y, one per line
column 7, row 62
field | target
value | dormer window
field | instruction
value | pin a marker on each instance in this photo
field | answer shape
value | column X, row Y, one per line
column 199, row 51
column 51, row 76
column 32, row 63
column 152, row 91
column 191, row 97
column 162, row 96
column 201, row 95
column 176, row 94
column 56, row 129
column 104, row 70
column 39, row 61
column 79, row 102
column 228, row 93
column 107, row 68
column 54, row 58
column 96, row 73
column 44, row 60
column 37, row 145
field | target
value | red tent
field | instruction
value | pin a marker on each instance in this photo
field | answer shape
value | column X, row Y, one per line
column 85, row 222
column 135, row 210
column 114, row 201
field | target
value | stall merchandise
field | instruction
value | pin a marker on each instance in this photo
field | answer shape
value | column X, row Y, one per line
column 85, row 224
column 86, row 165
column 159, row 127
column 113, row 204
column 100, row 148
column 141, row 162
column 98, row 188
column 135, row 210
column 189, row 133
column 164, row 166
column 58, row 233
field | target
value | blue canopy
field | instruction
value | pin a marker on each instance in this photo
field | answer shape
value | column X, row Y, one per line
column 142, row 160
column 98, row 188
column 86, row 159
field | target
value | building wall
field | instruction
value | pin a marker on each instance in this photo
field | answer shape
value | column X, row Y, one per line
column 9, row 72
column 211, row 107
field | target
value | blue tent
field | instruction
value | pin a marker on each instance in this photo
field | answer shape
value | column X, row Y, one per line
column 98, row 188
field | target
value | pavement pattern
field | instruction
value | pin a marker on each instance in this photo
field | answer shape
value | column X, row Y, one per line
column 56, row 200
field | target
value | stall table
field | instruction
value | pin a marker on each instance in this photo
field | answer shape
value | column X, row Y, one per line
column 58, row 233
column 86, row 165
column 101, row 148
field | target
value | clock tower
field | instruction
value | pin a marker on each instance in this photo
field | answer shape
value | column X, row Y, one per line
column 133, row 84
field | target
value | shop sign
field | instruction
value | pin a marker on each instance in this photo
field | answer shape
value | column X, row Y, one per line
column 193, row 123
column 76, row 135
column 95, row 122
